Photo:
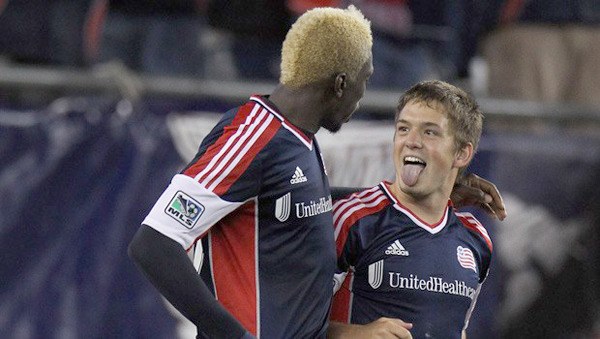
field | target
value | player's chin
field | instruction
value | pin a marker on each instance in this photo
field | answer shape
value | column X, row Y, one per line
column 333, row 126
column 415, row 190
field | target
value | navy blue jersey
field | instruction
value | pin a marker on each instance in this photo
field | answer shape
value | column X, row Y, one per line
column 393, row 264
column 258, row 196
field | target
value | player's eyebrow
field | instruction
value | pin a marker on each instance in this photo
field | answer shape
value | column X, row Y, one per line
column 426, row 123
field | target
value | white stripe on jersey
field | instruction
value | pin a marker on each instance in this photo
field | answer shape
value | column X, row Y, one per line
column 370, row 199
column 353, row 196
column 283, row 122
column 256, row 267
column 472, row 307
column 351, row 301
column 212, row 266
column 232, row 145
column 243, row 152
column 225, row 148
column 470, row 218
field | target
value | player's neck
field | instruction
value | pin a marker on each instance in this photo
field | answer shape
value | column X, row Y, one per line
column 301, row 107
column 429, row 208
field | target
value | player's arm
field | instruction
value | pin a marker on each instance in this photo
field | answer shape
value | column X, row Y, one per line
column 380, row 328
column 472, row 190
column 166, row 264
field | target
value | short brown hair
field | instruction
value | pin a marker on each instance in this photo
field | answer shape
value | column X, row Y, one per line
column 466, row 118
column 324, row 42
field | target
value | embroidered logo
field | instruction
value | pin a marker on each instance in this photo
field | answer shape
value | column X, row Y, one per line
column 298, row 177
column 376, row 274
column 283, row 207
column 465, row 258
column 396, row 248
column 184, row 209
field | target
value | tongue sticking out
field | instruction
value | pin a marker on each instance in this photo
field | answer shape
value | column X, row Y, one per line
column 410, row 173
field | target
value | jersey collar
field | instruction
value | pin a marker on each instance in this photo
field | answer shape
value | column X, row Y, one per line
column 431, row 228
column 304, row 136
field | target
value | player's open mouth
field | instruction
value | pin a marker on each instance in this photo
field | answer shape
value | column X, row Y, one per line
column 410, row 160
column 411, row 170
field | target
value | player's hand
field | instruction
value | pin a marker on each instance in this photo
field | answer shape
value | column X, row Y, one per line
column 472, row 190
column 384, row 328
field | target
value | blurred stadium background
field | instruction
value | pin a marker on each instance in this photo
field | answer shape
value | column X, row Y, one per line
column 87, row 145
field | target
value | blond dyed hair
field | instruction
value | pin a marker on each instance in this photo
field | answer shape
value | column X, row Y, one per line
column 324, row 42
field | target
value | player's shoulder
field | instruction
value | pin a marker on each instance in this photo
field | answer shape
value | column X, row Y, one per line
column 359, row 204
column 362, row 198
column 255, row 111
column 470, row 222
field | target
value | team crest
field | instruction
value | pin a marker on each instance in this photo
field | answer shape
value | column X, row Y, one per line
column 465, row 258
column 184, row 209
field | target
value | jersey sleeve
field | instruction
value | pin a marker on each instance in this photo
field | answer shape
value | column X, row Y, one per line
column 226, row 173
column 186, row 210
column 485, row 242
column 348, row 214
column 345, row 244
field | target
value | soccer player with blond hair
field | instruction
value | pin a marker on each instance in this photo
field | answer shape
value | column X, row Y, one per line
column 257, row 196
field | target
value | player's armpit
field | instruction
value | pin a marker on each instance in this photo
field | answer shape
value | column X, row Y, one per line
column 472, row 190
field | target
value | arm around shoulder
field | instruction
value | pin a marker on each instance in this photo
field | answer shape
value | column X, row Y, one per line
column 166, row 264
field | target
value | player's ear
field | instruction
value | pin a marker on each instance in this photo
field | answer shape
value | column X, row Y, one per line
column 464, row 155
column 340, row 84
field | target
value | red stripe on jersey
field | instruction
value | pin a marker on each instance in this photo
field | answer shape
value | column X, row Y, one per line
column 242, row 161
column 352, row 209
column 227, row 159
column 341, row 205
column 474, row 225
column 228, row 132
column 342, row 301
column 233, row 252
column 295, row 130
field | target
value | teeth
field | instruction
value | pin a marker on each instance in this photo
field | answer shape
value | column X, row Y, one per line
column 414, row 159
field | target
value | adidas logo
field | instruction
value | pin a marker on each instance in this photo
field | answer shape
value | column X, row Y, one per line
column 396, row 248
column 298, row 176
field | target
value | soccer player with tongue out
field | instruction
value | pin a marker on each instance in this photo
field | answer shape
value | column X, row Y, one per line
column 404, row 252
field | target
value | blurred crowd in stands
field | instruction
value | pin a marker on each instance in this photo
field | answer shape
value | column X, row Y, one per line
column 542, row 50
